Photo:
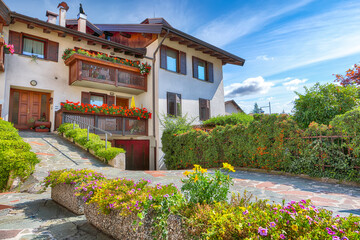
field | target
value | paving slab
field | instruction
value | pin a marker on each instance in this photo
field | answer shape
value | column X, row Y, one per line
column 31, row 214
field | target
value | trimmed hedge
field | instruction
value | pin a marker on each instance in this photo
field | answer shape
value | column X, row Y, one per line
column 16, row 160
column 95, row 143
column 232, row 119
column 271, row 142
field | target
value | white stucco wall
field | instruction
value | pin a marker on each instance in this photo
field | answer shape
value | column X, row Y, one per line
column 51, row 76
column 230, row 108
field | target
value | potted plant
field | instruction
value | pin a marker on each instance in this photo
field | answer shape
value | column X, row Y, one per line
column 42, row 122
column 42, row 128
column 9, row 49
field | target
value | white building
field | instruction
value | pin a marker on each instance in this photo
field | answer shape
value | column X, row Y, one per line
column 232, row 107
column 186, row 76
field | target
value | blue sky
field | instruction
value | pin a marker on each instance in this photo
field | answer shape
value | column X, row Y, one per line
column 287, row 44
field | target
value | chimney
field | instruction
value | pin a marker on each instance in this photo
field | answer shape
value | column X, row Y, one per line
column 51, row 17
column 82, row 22
column 63, row 7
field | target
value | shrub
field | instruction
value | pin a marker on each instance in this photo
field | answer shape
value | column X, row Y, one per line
column 73, row 133
column 66, row 126
column 96, row 145
column 82, row 139
column 12, row 135
column 109, row 153
column 7, row 127
column 15, row 145
column 233, row 119
column 15, row 163
column 71, row 176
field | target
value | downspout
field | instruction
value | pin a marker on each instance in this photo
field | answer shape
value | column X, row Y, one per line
column 154, row 88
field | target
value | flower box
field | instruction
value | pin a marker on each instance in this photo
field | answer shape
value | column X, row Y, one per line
column 37, row 129
column 64, row 194
column 120, row 227
column 40, row 123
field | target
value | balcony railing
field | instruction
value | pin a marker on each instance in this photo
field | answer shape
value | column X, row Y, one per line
column 111, row 123
column 95, row 73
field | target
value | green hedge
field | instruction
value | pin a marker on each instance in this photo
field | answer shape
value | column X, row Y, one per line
column 232, row 119
column 16, row 160
column 95, row 143
column 271, row 142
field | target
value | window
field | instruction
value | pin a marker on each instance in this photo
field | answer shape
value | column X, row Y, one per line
column 30, row 45
column 203, row 70
column 33, row 47
column 174, row 104
column 172, row 60
column 204, row 109
column 97, row 100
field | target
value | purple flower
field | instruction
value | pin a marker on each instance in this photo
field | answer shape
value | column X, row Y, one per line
column 272, row 224
column 344, row 238
column 336, row 238
column 331, row 232
column 282, row 236
column 166, row 195
column 245, row 212
column 158, row 187
column 263, row 231
column 150, row 197
column 303, row 201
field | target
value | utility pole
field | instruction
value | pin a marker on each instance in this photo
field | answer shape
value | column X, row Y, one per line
column 267, row 107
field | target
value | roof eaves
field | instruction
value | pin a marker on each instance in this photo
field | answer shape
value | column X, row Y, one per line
column 137, row 51
column 205, row 44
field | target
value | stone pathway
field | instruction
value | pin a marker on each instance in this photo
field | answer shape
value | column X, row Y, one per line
column 29, row 213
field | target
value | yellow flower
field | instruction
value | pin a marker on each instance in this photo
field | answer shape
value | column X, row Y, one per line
column 228, row 167
column 295, row 228
column 203, row 170
column 196, row 178
column 186, row 173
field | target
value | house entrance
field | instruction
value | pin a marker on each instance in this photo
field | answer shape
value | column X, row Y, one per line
column 28, row 106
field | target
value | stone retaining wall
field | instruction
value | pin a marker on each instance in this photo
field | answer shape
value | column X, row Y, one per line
column 121, row 228
column 64, row 194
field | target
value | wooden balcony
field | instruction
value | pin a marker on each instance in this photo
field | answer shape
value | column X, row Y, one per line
column 100, row 74
column 126, row 126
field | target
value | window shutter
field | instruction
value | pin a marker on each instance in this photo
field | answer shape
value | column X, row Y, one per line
column 207, row 109
column 110, row 100
column 163, row 57
column 178, row 105
column 171, row 103
column 204, row 109
column 85, row 97
column 182, row 63
column 15, row 39
column 52, row 51
column 210, row 72
column 195, row 68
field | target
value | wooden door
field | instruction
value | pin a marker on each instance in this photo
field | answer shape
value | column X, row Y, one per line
column 27, row 107
column 137, row 153
column 122, row 102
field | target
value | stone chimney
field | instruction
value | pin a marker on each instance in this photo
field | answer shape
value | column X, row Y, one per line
column 82, row 22
column 51, row 17
column 62, row 15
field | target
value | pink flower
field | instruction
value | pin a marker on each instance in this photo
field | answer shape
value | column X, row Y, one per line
column 272, row 224
column 263, row 231
column 282, row 236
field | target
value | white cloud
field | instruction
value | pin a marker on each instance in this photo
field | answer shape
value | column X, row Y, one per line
column 294, row 84
column 264, row 58
column 250, row 86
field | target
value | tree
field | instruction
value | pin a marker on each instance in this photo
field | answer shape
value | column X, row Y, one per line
column 256, row 109
column 321, row 103
column 352, row 77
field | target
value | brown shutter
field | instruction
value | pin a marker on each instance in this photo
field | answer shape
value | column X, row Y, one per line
column 110, row 100
column 183, row 63
column 171, row 104
column 207, row 109
column 85, row 97
column 204, row 109
column 210, row 72
column 52, row 51
column 15, row 39
column 195, row 68
column 163, row 57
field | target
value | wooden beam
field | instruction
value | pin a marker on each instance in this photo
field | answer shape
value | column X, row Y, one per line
column 105, row 47
column 76, row 39
column 200, row 48
column 30, row 26
column 46, row 30
column 184, row 42
column 91, row 43
column 208, row 51
column 139, row 56
column 127, row 35
column 192, row 45
column 175, row 39
column 129, row 53
column 118, row 50
column 62, row 34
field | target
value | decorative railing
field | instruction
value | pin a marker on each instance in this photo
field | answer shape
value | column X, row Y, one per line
column 114, row 124
column 113, row 75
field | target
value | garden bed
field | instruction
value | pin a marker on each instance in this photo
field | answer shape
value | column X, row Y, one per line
column 64, row 194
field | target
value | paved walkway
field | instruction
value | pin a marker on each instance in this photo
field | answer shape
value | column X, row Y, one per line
column 29, row 214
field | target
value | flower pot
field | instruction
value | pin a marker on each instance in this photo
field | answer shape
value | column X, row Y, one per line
column 122, row 227
column 39, row 123
column 64, row 194
column 42, row 129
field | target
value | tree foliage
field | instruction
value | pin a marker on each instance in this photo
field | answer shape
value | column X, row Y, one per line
column 256, row 109
column 321, row 103
column 351, row 77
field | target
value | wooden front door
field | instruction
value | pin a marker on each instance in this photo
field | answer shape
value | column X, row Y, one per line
column 122, row 102
column 27, row 107
column 137, row 153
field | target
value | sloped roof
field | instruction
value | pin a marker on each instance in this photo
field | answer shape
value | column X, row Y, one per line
column 88, row 24
column 235, row 104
